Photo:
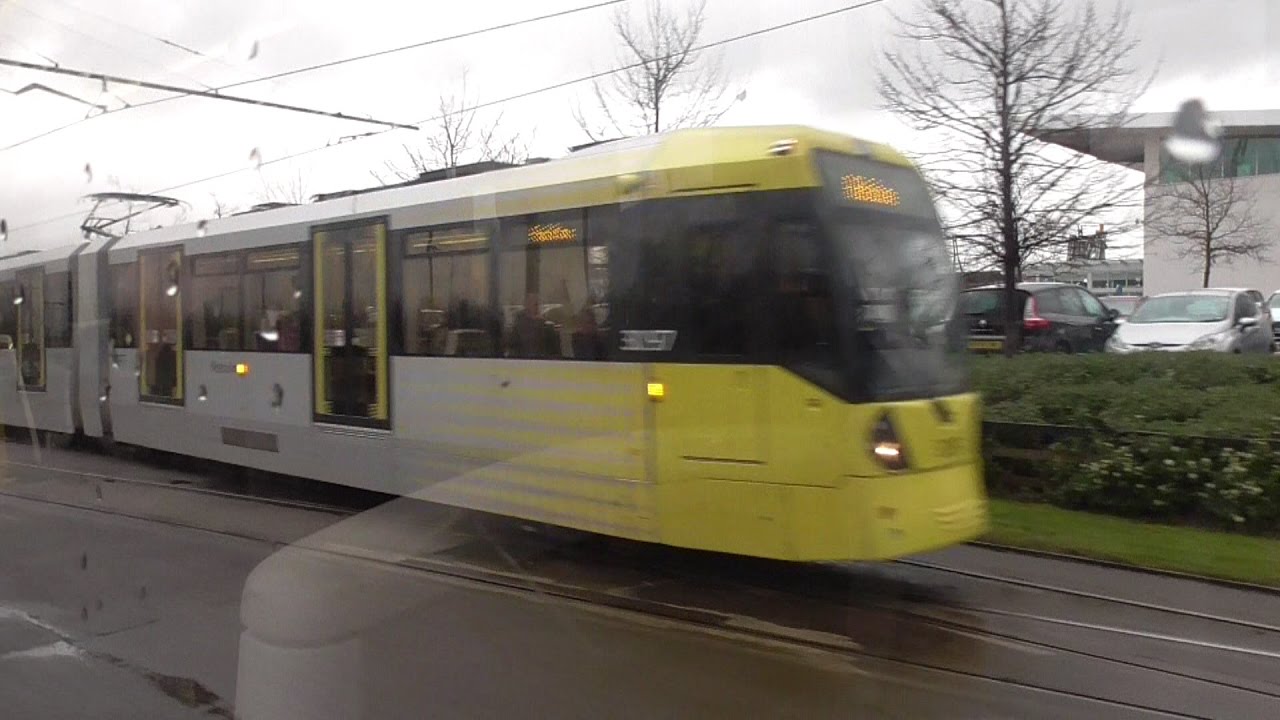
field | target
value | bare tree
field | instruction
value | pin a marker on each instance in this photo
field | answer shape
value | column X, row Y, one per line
column 457, row 137
column 990, row 75
column 292, row 189
column 663, row 80
column 1210, row 220
column 221, row 208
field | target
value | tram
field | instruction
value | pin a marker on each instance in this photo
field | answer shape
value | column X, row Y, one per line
column 732, row 339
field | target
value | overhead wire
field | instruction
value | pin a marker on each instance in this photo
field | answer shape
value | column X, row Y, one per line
column 132, row 28
column 518, row 96
column 543, row 89
column 329, row 64
column 209, row 94
column 25, row 7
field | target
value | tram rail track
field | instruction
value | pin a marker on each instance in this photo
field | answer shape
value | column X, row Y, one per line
column 708, row 618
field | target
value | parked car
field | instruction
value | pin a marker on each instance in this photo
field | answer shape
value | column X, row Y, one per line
column 1266, row 318
column 1217, row 320
column 1122, row 304
column 1056, row 317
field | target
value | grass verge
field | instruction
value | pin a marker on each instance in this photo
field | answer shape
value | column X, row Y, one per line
column 1160, row 547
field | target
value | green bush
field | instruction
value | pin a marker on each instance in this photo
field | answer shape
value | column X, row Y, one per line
column 1214, row 462
column 1163, row 478
column 1204, row 394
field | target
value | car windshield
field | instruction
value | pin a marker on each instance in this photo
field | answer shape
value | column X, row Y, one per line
column 1183, row 309
column 1124, row 305
column 1274, row 302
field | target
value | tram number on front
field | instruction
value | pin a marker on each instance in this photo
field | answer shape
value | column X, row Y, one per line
column 648, row 340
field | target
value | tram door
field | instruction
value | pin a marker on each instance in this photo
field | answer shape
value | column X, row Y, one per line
column 351, row 383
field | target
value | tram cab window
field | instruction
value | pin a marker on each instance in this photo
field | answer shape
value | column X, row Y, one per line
column 446, row 293
column 124, row 305
column 161, row 342
column 213, row 308
column 57, row 310
column 547, row 311
column 274, row 312
column 29, row 298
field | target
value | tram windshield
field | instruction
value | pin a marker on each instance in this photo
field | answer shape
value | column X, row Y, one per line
column 894, row 260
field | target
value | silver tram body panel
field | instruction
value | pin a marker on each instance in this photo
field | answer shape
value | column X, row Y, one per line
column 457, row 430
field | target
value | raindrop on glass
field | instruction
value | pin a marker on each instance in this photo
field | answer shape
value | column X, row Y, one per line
column 84, row 613
column 1196, row 136
column 88, row 173
column 253, row 50
column 84, row 561
column 201, row 228
column 4, row 230
column 255, row 158
column 98, row 492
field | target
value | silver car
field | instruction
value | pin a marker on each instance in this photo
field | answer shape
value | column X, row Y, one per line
column 1216, row 320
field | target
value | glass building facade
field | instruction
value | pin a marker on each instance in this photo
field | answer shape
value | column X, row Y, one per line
column 1241, row 157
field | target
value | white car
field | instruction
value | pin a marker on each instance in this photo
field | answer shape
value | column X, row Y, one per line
column 1217, row 320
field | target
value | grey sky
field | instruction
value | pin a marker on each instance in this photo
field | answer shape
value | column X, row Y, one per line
column 1227, row 51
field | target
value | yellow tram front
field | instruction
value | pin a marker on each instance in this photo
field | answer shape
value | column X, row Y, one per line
column 807, row 388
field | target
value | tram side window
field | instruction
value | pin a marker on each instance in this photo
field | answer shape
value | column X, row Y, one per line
column 274, row 314
column 57, row 310
column 542, row 282
column 8, row 317
column 160, row 273
column 719, row 278
column 30, row 340
column 446, row 293
column 214, row 311
column 124, row 305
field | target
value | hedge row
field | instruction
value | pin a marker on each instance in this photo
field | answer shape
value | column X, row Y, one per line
column 1204, row 394
column 1214, row 466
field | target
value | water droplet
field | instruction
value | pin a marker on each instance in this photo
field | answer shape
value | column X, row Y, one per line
column 88, row 173
column 97, row 605
column 742, row 95
column 97, row 490
column 1196, row 136
column 201, row 228
column 142, row 593
column 84, row 561
column 4, row 230
column 255, row 159
column 84, row 613
column 253, row 50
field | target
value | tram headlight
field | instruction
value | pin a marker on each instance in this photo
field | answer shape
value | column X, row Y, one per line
column 886, row 447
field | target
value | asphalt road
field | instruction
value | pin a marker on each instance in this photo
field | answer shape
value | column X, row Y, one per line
column 113, row 605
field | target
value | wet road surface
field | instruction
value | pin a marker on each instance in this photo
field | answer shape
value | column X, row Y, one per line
column 125, row 600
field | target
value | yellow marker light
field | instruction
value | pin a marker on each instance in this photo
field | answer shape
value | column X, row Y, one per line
column 656, row 390
column 242, row 369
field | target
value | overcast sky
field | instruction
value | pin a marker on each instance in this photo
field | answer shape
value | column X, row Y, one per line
column 822, row 73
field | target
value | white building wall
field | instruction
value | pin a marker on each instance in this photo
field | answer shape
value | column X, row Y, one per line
column 1164, row 271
